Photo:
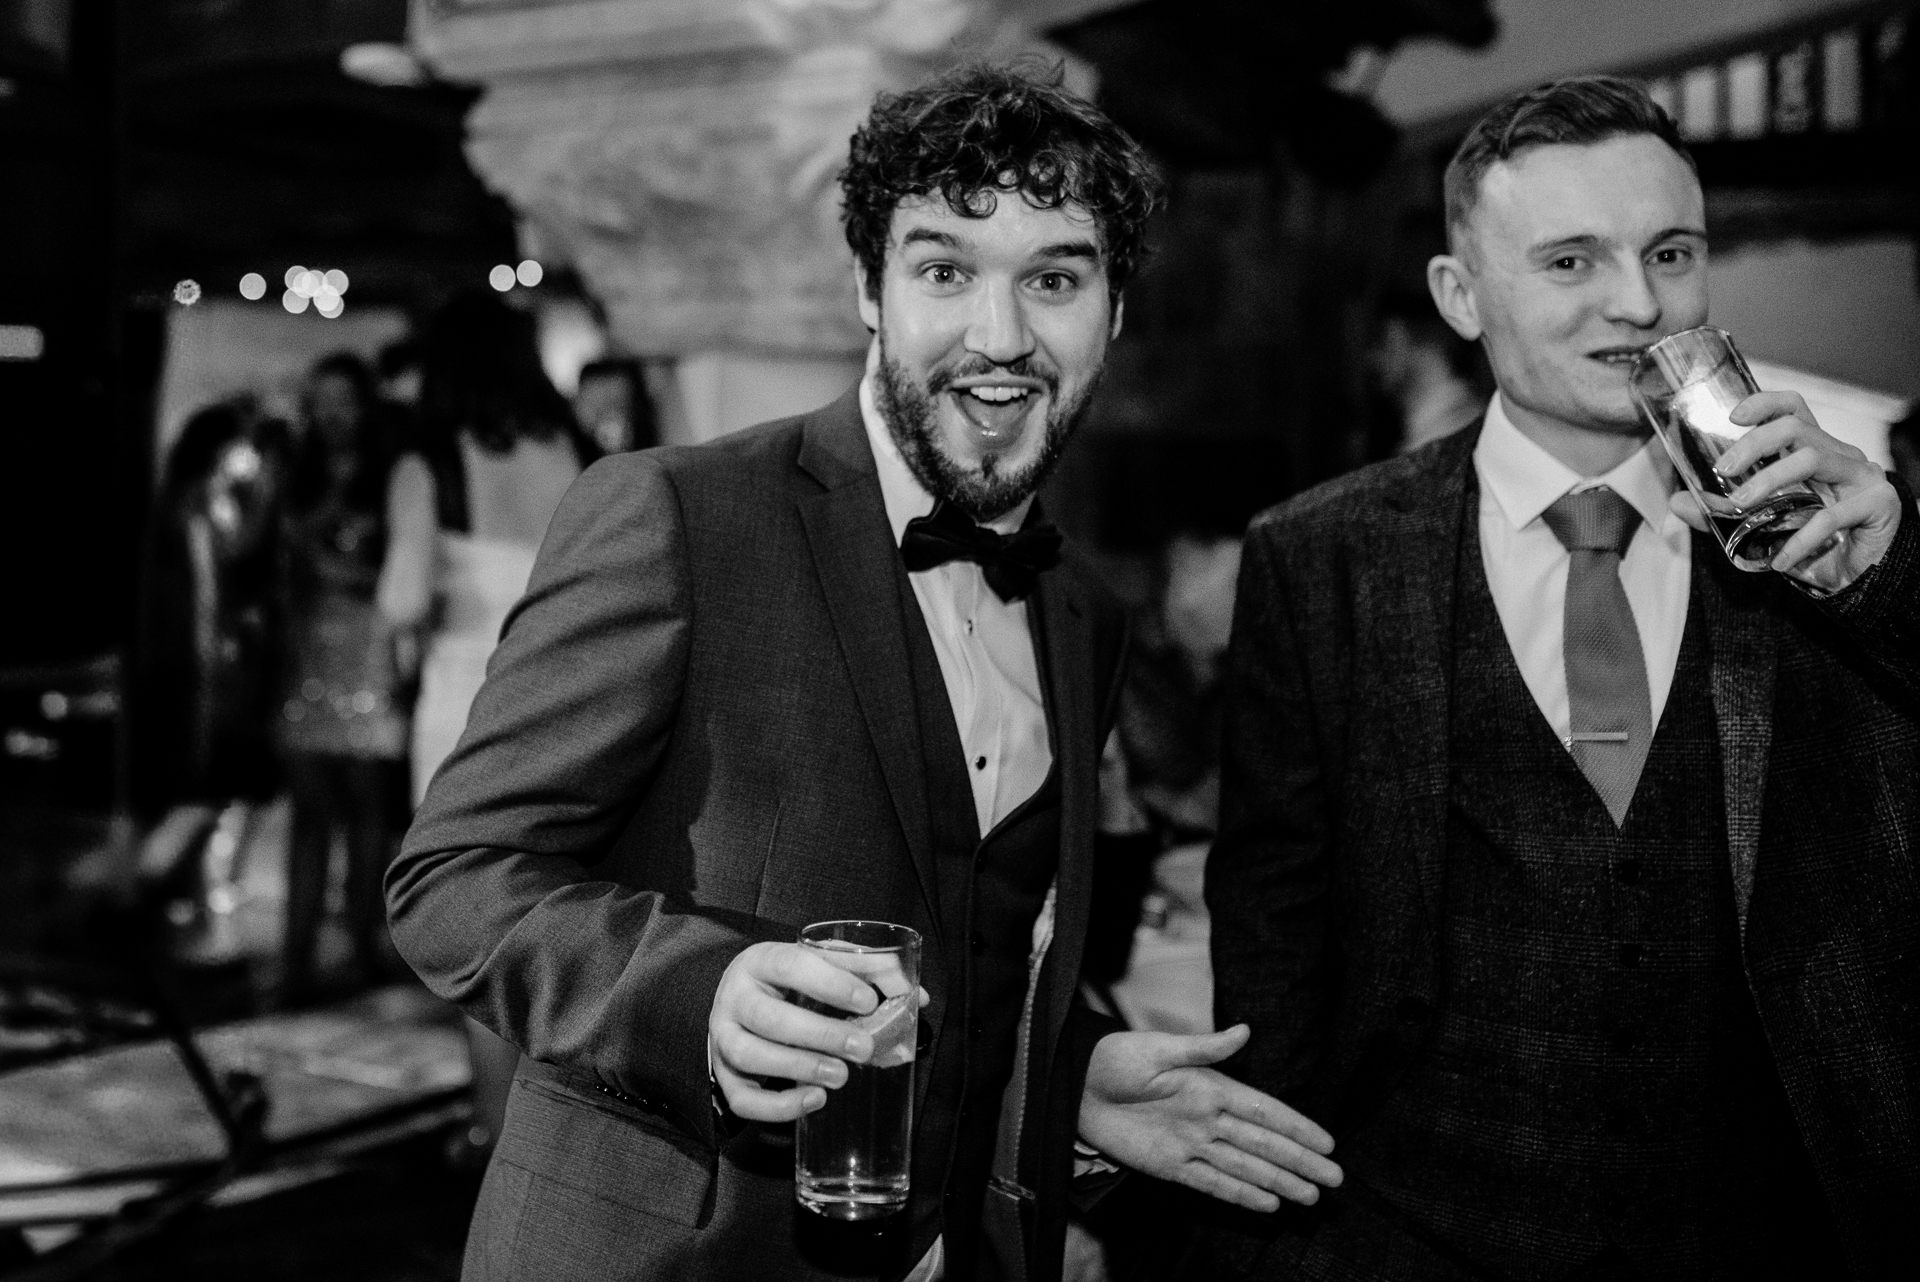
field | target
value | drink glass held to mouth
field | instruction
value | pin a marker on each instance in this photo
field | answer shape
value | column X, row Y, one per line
column 851, row 1157
column 1687, row 386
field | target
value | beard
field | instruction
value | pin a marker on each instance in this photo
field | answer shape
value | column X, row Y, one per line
column 912, row 417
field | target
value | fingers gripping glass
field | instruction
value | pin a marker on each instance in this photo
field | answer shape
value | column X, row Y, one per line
column 1687, row 385
column 852, row 1155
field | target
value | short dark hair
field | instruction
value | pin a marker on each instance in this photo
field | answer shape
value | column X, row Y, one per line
column 980, row 130
column 1578, row 110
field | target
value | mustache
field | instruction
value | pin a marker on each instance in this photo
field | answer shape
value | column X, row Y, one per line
column 978, row 366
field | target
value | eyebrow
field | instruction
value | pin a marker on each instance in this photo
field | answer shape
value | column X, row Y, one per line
column 1078, row 248
column 927, row 235
column 1071, row 249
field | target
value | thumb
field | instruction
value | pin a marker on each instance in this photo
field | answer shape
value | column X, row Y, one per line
column 1193, row 1050
column 1687, row 508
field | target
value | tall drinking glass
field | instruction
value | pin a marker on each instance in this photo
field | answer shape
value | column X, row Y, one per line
column 851, row 1157
column 1687, row 385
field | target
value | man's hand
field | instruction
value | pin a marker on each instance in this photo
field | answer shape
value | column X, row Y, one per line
column 755, row 1031
column 1152, row 1104
column 1862, row 507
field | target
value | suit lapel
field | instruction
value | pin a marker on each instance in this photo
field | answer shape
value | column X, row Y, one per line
column 1745, row 649
column 1062, row 626
column 1406, row 589
column 859, row 570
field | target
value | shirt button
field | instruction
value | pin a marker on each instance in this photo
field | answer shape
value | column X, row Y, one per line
column 1630, row 954
column 1627, row 872
column 979, row 763
column 969, row 627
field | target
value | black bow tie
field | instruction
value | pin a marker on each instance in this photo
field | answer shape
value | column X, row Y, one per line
column 1011, row 562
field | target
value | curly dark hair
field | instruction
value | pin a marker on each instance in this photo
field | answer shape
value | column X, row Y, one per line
column 980, row 130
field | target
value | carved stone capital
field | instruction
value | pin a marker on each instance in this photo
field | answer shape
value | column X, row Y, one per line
column 682, row 154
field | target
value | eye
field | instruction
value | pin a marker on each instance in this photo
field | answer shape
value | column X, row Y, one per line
column 1054, row 282
column 1673, row 256
column 941, row 275
column 1568, row 263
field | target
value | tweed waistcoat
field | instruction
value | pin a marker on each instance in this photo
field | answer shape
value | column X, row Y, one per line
column 1596, row 1088
column 990, row 891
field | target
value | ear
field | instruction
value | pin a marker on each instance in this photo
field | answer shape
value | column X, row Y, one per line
column 1450, row 281
column 865, row 299
column 1119, row 315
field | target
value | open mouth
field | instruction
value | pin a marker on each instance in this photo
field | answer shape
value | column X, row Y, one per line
column 996, row 411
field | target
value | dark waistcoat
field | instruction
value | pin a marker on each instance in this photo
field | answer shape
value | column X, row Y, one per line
column 990, row 890
column 1596, row 1088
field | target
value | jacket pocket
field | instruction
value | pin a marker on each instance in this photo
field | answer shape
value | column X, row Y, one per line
column 619, row 1155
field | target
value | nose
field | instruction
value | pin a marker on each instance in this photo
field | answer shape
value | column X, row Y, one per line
column 998, row 328
column 1635, row 302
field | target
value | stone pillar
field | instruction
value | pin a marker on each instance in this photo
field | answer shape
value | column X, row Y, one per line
column 681, row 155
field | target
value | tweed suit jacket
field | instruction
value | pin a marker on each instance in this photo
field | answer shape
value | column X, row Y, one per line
column 699, row 731
column 1327, row 877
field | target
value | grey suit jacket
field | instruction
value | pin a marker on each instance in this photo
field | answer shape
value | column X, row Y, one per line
column 699, row 732
column 1326, row 880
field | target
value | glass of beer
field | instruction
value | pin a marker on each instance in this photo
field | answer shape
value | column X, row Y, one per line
column 1687, row 385
column 851, row 1156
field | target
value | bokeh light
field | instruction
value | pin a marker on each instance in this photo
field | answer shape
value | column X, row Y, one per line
column 293, row 273
column 186, row 292
column 501, row 278
column 529, row 273
column 253, row 287
column 294, row 302
column 335, row 280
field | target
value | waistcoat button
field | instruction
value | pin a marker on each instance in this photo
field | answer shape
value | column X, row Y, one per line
column 1627, row 872
column 1630, row 954
column 1412, row 1010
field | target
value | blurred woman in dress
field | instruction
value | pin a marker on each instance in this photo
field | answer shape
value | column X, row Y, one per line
column 343, row 723
column 498, row 447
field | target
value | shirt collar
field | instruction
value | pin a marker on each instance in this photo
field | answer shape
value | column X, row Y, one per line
column 1525, row 480
column 901, row 490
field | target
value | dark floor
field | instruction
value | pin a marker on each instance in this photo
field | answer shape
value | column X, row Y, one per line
column 400, row 1219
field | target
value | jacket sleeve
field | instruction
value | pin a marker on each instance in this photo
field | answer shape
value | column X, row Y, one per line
column 1880, row 611
column 1269, row 870
column 493, row 899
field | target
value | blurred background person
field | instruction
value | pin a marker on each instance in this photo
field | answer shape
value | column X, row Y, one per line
column 498, row 449
column 498, row 446
column 210, row 618
column 1168, row 736
column 612, row 406
column 343, row 725
column 1434, row 381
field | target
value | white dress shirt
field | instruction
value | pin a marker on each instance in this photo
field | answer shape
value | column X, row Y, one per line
column 984, row 645
column 985, row 649
column 1527, row 566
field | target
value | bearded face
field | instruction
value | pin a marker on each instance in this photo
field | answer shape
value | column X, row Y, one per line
column 992, row 333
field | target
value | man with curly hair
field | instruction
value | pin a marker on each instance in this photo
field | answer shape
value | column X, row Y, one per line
column 831, row 667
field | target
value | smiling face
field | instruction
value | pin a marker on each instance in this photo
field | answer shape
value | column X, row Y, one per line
column 1573, row 261
column 991, row 335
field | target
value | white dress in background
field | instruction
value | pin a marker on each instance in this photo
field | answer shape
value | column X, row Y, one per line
column 476, row 581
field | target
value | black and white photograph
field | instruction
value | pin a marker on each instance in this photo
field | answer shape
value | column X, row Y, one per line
column 959, row 640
